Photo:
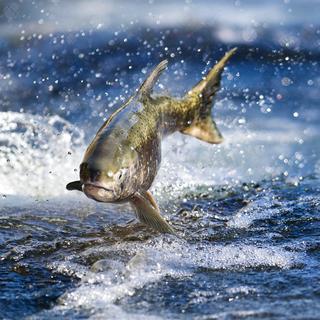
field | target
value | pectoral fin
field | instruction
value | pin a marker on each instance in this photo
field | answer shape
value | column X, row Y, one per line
column 204, row 129
column 74, row 185
column 151, row 199
column 148, row 213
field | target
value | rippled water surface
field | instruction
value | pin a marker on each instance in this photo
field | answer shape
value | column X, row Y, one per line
column 246, row 211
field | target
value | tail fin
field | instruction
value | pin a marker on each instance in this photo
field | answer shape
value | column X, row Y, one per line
column 203, row 127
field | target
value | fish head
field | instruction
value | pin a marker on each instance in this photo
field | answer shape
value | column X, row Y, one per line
column 107, row 179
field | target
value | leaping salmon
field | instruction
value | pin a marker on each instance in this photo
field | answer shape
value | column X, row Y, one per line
column 123, row 159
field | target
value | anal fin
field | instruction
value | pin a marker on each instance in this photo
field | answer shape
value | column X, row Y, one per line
column 148, row 213
column 205, row 130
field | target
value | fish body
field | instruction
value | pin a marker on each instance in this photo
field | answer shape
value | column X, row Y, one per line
column 123, row 159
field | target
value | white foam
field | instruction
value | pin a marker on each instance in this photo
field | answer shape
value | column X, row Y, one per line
column 262, row 207
column 247, row 154
column 151, row 262
column 38, row 155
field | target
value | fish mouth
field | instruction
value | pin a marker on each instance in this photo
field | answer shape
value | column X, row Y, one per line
column 97, row 186
column 99, row 192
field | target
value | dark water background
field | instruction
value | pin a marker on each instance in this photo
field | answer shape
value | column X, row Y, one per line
column 247, row 211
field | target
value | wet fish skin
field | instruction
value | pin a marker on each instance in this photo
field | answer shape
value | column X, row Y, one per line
column 123, row 159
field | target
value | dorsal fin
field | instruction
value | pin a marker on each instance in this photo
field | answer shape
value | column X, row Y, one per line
column 148, row 84
column 145, row 90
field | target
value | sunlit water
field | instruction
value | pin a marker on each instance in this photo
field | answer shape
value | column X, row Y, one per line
column 246, row 211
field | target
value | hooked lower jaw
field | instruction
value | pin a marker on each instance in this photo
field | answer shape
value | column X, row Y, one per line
column 99, row 193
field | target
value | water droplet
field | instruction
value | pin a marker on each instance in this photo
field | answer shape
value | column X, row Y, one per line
column 286, row 81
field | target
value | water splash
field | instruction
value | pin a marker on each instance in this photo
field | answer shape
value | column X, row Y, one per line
column 38, row 154
column 122, row 269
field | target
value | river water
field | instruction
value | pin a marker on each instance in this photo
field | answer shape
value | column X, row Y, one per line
column 246, row 211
